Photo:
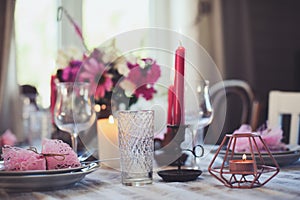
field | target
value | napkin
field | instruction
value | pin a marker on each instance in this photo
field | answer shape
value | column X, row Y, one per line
column 272, row 137
column 18, row 159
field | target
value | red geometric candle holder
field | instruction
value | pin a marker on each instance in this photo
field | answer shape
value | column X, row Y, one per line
column 247, row 169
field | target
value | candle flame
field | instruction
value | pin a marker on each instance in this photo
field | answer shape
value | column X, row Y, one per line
column 111, row 119
column 97, row 108
column 103, row 107
column 244, row 157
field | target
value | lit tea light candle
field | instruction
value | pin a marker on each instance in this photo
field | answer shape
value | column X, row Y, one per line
column 243, row 165
column 108, row 141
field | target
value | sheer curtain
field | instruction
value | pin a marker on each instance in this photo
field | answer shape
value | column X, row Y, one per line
column 10, row 110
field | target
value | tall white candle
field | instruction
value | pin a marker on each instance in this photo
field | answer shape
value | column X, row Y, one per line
column 108, row 142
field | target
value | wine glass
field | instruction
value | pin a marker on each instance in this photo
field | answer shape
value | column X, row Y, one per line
column 74, row 110
column 205, row 112
column 201, row 116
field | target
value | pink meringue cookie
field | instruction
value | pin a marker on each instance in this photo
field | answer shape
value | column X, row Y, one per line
column 59, row 155
column 18, row 159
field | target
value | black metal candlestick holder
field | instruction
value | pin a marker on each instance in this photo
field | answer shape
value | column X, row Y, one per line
column 172, row 151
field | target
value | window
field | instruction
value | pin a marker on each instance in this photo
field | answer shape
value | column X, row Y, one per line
column 36, row 46
column 104, row 19
column 38, row 39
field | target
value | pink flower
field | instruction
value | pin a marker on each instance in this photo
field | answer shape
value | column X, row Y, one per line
column 69, row 73
column 145, row 92
column 144, row 78
column 153, row 70
column 95, row 73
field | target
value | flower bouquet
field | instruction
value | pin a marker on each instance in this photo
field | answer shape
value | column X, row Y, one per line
column 116, row 81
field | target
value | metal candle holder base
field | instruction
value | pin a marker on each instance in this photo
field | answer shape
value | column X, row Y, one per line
column 237, row 173
column 171, row 144
column 170, row 152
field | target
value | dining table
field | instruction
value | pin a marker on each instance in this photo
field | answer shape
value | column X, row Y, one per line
column 105, row 183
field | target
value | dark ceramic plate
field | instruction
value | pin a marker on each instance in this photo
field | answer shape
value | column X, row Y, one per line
column 44, row 182
column 36, row 172
column 181, row 175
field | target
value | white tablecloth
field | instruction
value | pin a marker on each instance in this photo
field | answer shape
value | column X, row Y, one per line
column 105, row 184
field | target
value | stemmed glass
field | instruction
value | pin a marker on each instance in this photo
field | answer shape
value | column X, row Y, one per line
column 74, row 110
column 201, row 116
column 205, row 112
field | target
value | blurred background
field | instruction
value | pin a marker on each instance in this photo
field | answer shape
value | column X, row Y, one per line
column 257, row 41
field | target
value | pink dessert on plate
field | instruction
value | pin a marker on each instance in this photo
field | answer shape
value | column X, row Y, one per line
column 59, row 155
column 271, row 136
column 55, row 155
column 18, row 159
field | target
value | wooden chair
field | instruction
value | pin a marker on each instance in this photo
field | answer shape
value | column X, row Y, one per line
column 285, row 103
column 245, row 94
column 236, row 92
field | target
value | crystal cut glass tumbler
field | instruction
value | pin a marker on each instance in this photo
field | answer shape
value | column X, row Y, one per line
column 136, row 144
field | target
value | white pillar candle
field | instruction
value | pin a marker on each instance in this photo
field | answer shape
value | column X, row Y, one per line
column 108, row 142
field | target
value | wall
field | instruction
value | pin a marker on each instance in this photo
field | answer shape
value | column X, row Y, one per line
column 262, row 45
